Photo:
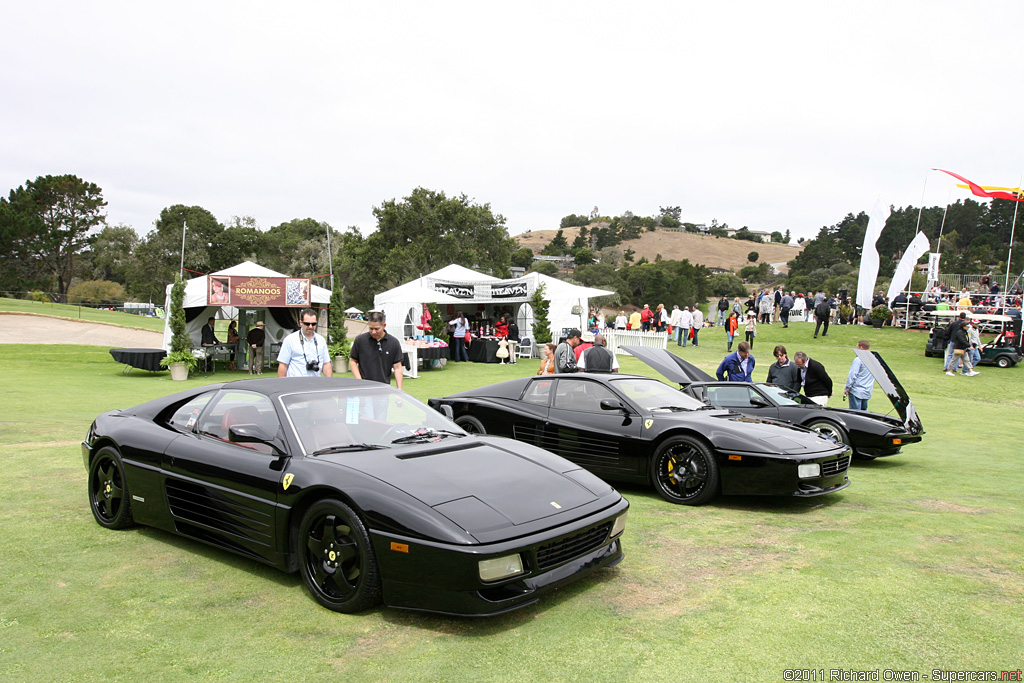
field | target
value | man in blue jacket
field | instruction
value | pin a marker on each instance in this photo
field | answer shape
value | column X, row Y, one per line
column 737, row 366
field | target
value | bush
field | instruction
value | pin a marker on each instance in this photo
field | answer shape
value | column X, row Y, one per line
column 338, row 341
column 541, row 324
column 96, row 292
column 880, row 312
column 726, row 284
column 39, row 296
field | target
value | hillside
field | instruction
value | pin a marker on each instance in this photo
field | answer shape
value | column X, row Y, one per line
column 713, row 252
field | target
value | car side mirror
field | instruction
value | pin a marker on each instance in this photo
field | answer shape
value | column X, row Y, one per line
column 759, row 402
column 447, row 411
column 252, row 433
column 612, row 404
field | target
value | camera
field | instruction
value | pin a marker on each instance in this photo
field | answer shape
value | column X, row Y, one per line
column 313, row 365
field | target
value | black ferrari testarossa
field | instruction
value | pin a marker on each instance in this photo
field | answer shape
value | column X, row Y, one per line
column 870, row 435
column 638, row 429
column 367, row 492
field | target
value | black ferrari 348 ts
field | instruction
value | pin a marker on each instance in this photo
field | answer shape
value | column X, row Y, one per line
column 870, row 435
column 367, row 492
column 638, row 429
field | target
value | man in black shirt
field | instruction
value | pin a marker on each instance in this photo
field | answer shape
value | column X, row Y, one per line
column 375, row 354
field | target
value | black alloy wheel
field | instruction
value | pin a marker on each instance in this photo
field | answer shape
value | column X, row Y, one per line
column 684, row 471
column 336, row 559
column 108, row 490
column 470, row 424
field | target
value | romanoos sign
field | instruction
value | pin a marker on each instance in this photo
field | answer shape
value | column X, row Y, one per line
column 257, row 292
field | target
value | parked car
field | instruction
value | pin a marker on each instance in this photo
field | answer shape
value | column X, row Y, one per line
column 368, row 493
column 869, row 434
column 638, row 429
column 1004, row 351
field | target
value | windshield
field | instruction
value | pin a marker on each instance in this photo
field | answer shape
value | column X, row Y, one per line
column 784, row 397
column 360, row 419
column 651, row 394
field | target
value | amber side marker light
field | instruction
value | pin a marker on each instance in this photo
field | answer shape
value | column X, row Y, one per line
column 897, row 442
column 735, row 457
column 399, row 547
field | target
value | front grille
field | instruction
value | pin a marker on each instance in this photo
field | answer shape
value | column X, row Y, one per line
column 835, row 466
column 555, row 553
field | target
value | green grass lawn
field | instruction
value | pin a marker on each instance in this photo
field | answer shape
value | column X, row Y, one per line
column 918, row 565
column 85, row 313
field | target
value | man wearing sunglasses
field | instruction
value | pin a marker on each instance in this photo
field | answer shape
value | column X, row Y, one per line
column 304, row 353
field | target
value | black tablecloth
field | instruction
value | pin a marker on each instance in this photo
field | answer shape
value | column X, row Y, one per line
column 432, row 352
column 143, row 359
column 483, row 351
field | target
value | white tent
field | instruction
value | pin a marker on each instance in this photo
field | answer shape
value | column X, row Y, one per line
column 198, row 312
column 468, row 290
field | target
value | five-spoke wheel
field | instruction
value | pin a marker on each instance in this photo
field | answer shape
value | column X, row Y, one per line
column 470, row 424
column 336, row 559
column 108, row 491
column 684, row 471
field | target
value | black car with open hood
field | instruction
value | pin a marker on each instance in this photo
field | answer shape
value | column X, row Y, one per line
column 870, row 435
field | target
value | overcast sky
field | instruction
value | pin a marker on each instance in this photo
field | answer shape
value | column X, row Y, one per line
column 771, row 115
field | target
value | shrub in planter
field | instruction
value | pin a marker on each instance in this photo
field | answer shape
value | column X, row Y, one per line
column 879, row 314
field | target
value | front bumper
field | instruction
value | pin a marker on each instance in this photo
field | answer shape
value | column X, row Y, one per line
column 444, row 578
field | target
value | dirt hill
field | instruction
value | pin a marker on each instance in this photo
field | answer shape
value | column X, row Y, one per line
column 713, row 252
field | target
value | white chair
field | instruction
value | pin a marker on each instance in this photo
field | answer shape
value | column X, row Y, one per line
column 525, row 349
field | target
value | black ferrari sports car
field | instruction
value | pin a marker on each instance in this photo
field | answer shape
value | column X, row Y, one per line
column 870, row 435
column 367, row 492
column 639, row 429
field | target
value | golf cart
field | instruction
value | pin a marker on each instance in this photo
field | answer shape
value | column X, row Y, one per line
column 1004, row 351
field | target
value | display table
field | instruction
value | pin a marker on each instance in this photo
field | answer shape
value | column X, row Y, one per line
column 484, row 351
column 143, row 359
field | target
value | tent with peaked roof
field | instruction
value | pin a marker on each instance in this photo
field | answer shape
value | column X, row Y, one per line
column 278, row 321
column 478, row 295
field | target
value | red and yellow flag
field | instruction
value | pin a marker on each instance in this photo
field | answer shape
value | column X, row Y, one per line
column 1012, row 193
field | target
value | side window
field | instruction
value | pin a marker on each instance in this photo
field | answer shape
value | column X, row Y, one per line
column 726, row 396
column 239, row 407
column 580, row 395
column 539, row 392
column 185, row 417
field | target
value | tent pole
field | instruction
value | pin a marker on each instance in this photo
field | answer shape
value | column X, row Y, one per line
column 1009, row 258
column 181, row 272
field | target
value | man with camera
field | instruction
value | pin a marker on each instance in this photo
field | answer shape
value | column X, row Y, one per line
column 304, row 353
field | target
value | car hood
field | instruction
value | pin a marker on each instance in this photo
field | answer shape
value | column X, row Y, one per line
column 892, row 388
column 675, row 369
column 751, row 435
column 479, row 485
column 671, row 366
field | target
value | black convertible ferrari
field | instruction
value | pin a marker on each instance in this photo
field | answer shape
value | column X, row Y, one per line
column 638, row 429
column 870, row 435
column 367, row 492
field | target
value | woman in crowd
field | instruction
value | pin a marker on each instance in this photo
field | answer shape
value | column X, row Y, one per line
column 233, row 340
column 731, row 325
column 547, row 364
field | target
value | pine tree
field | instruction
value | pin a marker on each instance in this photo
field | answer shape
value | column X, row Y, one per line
column 541, row 325
column 339, row 342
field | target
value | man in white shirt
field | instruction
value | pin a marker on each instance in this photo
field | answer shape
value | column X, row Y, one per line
column 698, row 322
column 685, row 323
column 304, row 353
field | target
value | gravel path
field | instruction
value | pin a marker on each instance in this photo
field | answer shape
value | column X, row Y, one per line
column 38, row 329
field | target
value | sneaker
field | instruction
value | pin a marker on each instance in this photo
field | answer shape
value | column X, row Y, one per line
column 951, row 374
column 972, row 373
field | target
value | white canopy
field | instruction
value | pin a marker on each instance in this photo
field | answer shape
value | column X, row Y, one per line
column 195, row 298
column 466, row 289
column 352, row 309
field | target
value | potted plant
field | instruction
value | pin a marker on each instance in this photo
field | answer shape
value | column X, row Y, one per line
column 878, row 315
column 180, row 359
column 338, row 342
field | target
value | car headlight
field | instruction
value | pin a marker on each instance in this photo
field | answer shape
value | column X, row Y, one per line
column 805, row 471
column 501, row 567
column 619, row 526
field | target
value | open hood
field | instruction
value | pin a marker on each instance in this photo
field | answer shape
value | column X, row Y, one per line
column 892, row 388
column 670, row 365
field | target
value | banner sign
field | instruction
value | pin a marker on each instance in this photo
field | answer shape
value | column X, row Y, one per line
column 512, row 290
column 257, row 292
column 458, row 291
column 933, row 267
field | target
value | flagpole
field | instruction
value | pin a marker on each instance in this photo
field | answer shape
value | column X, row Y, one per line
column 181, row 272
column 921, row 208
column 1013, row 228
